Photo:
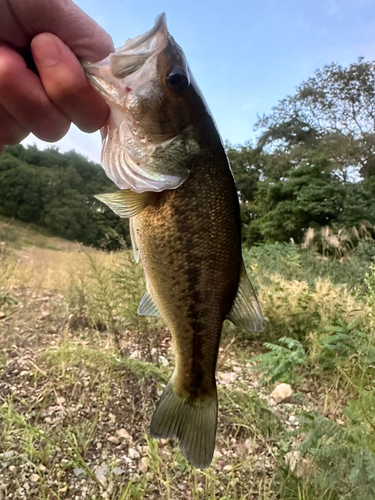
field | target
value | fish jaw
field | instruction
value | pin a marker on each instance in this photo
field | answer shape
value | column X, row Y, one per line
column 150, row 141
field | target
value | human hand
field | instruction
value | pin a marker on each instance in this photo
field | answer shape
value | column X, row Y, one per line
column 56, row 33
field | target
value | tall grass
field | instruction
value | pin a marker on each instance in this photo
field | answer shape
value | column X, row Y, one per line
column 101, row 367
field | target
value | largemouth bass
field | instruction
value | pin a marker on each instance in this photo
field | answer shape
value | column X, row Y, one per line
column 163, row 151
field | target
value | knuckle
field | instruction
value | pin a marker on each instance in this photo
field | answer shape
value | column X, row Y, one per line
column 7, row 72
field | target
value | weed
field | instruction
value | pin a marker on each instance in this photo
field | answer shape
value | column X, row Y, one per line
column 278, row 364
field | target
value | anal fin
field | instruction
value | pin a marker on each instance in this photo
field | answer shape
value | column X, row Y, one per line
column 246, row 312
column 147, row 306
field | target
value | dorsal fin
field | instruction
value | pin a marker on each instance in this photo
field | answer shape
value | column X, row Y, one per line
column 147, row 306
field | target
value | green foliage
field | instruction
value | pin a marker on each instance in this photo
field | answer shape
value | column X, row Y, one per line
column 306, row 196
column 56, row 191
column 278, row 364
column 334, row 108
column 345, row 344
column 344, row 456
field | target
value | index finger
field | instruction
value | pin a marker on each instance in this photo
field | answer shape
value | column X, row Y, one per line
column 63, row 18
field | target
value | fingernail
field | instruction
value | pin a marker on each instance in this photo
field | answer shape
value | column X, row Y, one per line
column 46, row 51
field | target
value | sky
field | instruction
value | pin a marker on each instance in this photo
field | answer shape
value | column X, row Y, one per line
column 245, row 55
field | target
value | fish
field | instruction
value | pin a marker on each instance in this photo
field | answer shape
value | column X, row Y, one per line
column 162, row 149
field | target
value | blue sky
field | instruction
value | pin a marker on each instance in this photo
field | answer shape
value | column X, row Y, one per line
column 245, row 55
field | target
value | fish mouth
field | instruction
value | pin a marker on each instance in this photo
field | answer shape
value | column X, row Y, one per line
column 131, row 57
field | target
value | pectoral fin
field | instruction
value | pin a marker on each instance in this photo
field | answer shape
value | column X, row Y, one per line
column 147, row 306
column 125, row 203
column 246, row 312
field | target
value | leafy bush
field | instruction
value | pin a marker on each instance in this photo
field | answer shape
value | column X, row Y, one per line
column 344, row 456
column 278, row 364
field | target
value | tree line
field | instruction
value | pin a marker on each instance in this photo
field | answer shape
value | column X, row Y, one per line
column 313, row 165
column 56, row 191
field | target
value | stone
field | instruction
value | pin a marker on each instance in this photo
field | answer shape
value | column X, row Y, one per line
column 78, row 472
column 249, row 445
column 226, row 377
column 133, row 454
column 144, row 464
column 123, row 434
column 101, row 473
column 282, row 392
column 113, row 439
column 118, row 471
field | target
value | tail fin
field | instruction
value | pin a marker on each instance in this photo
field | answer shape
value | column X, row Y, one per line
column 192, row 422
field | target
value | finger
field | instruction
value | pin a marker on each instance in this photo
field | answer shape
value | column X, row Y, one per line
column 11, row 132
column 23, row 97
column 66, row 84
column 63, row 18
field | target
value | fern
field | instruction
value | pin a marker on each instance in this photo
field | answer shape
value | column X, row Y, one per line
column 278, row 364
column 344, row 456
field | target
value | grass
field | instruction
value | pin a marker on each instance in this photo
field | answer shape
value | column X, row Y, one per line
column 80, row 374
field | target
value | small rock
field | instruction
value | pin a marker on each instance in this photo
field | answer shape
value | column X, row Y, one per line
column 118, row 471
column 133, row 454
column 12, row 468
column 34, row 478
column 144, row 464
column 227, row 467
column 112, row 418
column 249, row 445
column 282, row 392
column 101, row 473
column 2, row 314
column 226, row 377
column 217, row 454
column 123, row 434
column 113, row 439
column 136, row 354
column 78, row 472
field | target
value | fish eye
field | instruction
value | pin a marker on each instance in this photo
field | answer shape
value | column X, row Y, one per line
column 177, row 79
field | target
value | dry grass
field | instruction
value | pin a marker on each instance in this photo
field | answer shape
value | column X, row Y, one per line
column 80, row 374
column 78, row 390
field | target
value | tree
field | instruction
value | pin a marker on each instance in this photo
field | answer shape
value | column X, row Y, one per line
column 56, row 191
column 334, row 109
column 307, row 196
